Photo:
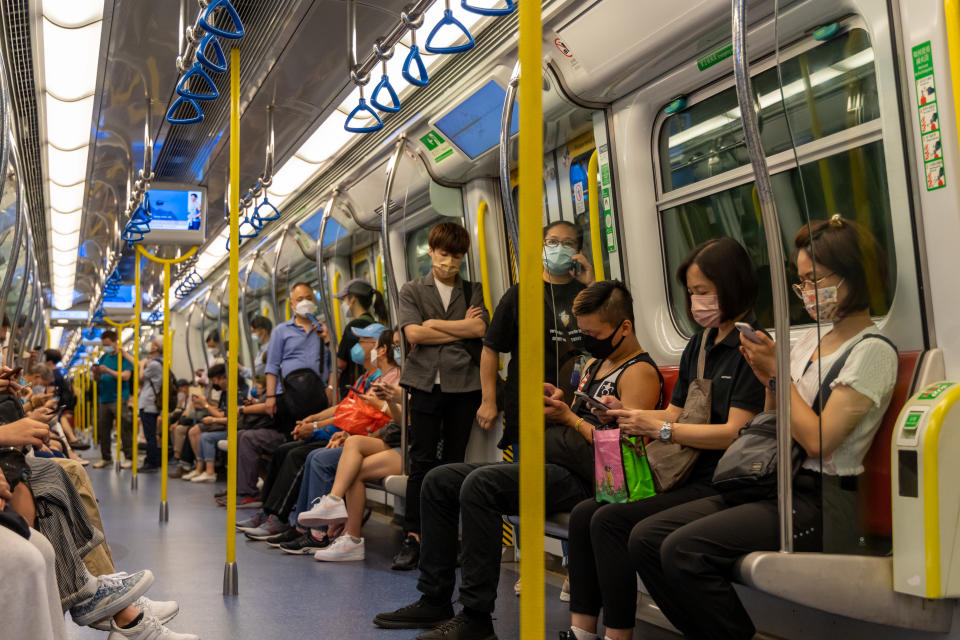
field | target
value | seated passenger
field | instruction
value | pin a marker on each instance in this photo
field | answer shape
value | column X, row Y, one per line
column 364, row 458
column 312, row 441
column 477, row 495
column 685, row 555
column 212, row 428
column 720, row 287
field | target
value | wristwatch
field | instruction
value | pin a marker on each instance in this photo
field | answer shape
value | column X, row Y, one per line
column 772, row 384
column 666, row 432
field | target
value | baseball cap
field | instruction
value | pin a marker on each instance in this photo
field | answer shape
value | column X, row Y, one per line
column 357, row 287
column 370, row 331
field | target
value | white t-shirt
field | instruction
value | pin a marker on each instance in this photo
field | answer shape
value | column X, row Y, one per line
column 445, row 291
column 871, row 370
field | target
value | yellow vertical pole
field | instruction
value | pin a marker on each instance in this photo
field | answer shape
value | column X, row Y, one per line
column 78, row 417
column 337, row 321
column 531, row 321
column 593, row 196
column 230, row 587
column 136, row 366
column 119, row 356
column 91, row 411
column 482, row 246
column 951, row 10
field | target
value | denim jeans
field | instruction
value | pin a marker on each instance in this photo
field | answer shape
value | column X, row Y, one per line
column 208, row 445
column 318, row 475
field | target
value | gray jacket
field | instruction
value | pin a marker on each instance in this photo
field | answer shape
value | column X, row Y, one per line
column 151, row 379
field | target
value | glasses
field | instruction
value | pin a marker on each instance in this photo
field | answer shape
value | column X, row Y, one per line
column 804, row 285
column 553, row 242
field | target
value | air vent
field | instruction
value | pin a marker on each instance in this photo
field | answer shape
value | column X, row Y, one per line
column 183, row 145
column 23, row 95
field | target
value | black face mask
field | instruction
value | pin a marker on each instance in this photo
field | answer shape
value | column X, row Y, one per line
column 215, row 387
column 601, row 348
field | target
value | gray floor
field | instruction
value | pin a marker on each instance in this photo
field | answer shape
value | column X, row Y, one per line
column 281, row 596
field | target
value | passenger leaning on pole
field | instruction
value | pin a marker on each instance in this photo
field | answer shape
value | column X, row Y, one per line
column 105, row 373
column 442, row 373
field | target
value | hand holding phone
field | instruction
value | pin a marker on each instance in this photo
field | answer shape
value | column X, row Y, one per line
column 748, row 332
column 592, row 403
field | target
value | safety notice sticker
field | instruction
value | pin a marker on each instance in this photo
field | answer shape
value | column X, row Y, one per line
column 927, row 110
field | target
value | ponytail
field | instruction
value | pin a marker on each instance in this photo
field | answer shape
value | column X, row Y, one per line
column 374, row 303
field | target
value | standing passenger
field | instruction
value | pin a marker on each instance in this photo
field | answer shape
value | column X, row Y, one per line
column 151, row 394
column 105, row 372
column 357, row 300
column 442, row 370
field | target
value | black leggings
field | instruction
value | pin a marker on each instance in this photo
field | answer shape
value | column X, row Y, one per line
column 599, row 576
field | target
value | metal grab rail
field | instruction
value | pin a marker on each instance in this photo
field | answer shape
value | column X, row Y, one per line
column 593, row 196
column 506, row 122
column 410, row 18
column 328, row 317
column 778, row 276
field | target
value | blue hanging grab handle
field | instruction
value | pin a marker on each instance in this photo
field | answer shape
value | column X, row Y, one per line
column 198, row 71
column 384, row 85
column 449, row 20
column 270, row 216
column 176, row 105
column 485, row 11
column 362, row 106
column 221, row 60
column 236, row 34
column 413, row 57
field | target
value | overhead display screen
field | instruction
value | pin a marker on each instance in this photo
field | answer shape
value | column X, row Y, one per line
column 122, row 299
column 176, row 210
column 474, row 124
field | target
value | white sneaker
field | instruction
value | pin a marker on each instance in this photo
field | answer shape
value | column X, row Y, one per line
column 327, row 510
column 164, row 611
column 190, row 476
column 204, row 477
column 148, row 629
column 565, row 590
column 126, row 464
column 343, row 549
column 222, row 445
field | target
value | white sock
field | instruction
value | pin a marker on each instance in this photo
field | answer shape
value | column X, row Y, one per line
column 330, row 496
column 582, row 634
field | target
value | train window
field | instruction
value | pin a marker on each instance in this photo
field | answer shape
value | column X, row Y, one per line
column 828, row 88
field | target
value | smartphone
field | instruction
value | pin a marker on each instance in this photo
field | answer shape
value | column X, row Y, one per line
column 577, row 268
column 12, row 374
column 590, row 401
column 748, row 332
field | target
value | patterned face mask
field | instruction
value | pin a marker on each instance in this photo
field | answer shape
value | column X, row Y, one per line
column 825, row 300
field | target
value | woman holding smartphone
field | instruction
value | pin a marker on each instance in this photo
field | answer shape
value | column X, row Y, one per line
column 720, row 286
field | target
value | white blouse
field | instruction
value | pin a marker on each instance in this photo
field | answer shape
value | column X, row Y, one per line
column 871, row 370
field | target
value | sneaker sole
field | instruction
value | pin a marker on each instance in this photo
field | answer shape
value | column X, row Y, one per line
column 239, row 528
column 261, row 538
column 129, row 598
column 276, row 545
column 104, row 624
column 249, row 505
column 305, row 551
column 313, row 522
column 408, row 624
column 341, row 559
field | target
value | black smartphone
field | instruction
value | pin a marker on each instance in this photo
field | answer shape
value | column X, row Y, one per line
column 594, row 404
column 577, row 268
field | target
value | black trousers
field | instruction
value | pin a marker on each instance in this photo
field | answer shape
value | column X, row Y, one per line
column 599, row 577
column 282, row 484
column 440, row 425
column 107, row 426
column 477, row 495
column 685, row 557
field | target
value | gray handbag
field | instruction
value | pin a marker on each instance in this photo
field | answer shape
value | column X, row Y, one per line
column 672, row 463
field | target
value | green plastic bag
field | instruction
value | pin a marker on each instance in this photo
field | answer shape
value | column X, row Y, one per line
column 621, row 469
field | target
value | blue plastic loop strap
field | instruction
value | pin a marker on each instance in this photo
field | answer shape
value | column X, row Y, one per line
column 449, row 20
column 384, row 85
column 197, row 71
column 248, row 229
column 485, row 11
column 270, row 213
column 363, row 107
column 237, row 32
column 176, row 105
column 421, row 79
column 221, row 60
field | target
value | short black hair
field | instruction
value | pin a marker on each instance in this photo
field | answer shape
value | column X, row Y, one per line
column 213, row 336
column 566, row 223
column 300, row 283
column 609, row 298
column 727, row 265
column 217, row 371
column 450, row 237
column 386, row 340
column 109, row 334
column 52, row 355
column 262, row 322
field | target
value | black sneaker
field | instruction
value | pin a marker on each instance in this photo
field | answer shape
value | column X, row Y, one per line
column 568, row 635
column 408, row 557
column 283, row 537
column 462, row 627
column 419, row 615
column 220, row 494
column 148, row 469
column 305, row 544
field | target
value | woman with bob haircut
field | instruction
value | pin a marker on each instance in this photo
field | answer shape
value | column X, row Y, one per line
column 720, row 286
column 685, row 555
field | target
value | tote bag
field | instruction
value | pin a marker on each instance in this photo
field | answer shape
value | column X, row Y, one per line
column 621, row 469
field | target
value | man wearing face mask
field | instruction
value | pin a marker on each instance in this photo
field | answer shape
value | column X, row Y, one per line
column 260, row 328
column 110, row 365
column 442, row 317
column 566, row 273
column 294, row 356
column 363, row 305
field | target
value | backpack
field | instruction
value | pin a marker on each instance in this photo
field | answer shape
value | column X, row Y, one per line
column 158, row 393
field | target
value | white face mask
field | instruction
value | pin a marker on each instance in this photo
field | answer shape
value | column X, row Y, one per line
column 305, row 308
column 373, row 356
column 345, row 308
column 215, row 395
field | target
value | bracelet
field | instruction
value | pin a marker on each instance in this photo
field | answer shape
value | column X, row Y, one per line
column 576, row 425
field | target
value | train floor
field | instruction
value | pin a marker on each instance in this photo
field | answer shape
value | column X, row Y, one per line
column 280, row 596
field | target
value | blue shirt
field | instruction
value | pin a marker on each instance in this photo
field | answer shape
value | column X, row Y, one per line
column 292, row 348
column 107, row 386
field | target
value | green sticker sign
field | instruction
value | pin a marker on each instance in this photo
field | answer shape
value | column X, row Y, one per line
column 432, row 140
column 912, row 421
column 933, row 391
column 928, row 111
column 712, row 58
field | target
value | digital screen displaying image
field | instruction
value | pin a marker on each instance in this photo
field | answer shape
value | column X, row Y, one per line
column 175, row 209
column 123, row 299
column 474, row 124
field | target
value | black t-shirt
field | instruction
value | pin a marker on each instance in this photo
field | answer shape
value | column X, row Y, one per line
column 733, row 385
column 559, row 356
column 353, row 370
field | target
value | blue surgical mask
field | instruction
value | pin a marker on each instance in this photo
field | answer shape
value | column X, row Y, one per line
column 108, row 349
column 254, row 392
column 358, row 354
column 397, row 355
column 558, row 260
column 256, row 338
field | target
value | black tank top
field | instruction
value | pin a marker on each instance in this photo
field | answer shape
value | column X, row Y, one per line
column 608, row 385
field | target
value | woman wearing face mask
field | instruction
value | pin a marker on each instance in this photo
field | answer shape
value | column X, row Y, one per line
column 362, row 305
column 720, row 287
column 685, row 555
